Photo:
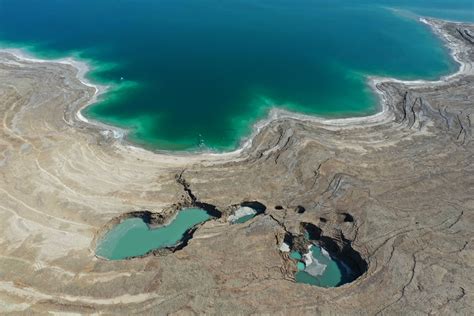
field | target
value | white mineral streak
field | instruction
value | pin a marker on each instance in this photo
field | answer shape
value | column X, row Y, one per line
column 284, row 247
column 313, row 266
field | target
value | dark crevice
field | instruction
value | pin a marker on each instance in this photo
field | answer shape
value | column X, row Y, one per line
column 300, row 209
column 283, row 149
column 313, row 232
column 404, row 105
column 182, row 181
column 339, row 248
column 257, row 206
column 445, row 118
column 192, row 200
column 347, row 218
column 465, row 35
column 209, row 208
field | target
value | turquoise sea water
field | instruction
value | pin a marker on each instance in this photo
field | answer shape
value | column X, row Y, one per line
column 133, row 237
column 196, row 74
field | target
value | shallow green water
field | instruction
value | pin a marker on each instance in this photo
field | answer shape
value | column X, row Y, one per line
column 244, row 214
column 334, row 273
column 300, row 266
column 133, row 237
column 295, row 255
column 244, row 218
column 190, row 74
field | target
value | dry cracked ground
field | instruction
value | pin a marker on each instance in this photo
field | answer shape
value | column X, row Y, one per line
column 397, row 189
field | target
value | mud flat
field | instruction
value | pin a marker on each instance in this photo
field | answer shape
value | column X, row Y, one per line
column 392, row 193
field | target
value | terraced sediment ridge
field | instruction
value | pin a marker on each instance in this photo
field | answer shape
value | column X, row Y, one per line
column 394, row 188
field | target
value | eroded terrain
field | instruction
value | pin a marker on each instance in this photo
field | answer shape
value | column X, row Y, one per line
column 397, row 189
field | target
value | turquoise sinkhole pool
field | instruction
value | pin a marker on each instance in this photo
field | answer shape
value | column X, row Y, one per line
column 242, row 214
column 322, row 270
column 245, row 218
column 295, row 255
column 133, row 237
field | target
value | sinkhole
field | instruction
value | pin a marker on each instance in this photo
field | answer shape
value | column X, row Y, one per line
column 246, row 211
column 137, row 236
column 321, row 260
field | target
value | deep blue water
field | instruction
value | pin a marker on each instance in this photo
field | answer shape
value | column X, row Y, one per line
column 198, row 73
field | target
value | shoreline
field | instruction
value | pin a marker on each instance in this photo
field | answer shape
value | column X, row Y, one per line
column 381, row 114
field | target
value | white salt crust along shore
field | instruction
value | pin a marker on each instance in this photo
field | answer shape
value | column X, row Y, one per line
column 82, row 69
column 275, row 114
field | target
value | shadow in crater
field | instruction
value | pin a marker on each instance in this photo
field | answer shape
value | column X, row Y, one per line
column 209, row 208
column 339, row 248
column 255, row 205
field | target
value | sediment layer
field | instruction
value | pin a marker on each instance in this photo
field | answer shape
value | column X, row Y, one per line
column 396, row 186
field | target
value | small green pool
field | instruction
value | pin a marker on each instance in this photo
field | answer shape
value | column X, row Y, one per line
column 133, row 237
column 244, row 218
column 295, row 255
column 242, row 215
column 323, row 270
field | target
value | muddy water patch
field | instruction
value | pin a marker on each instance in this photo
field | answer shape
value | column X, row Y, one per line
column 134, row 236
